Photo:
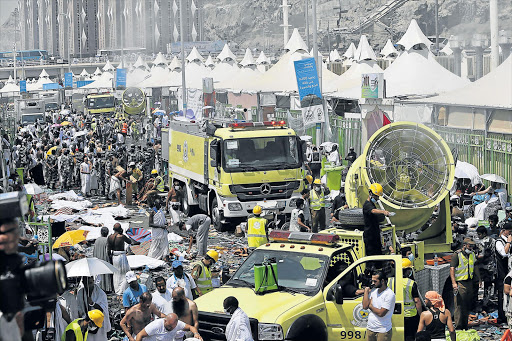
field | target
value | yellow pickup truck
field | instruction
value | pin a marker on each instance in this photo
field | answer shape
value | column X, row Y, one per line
column 318, row 285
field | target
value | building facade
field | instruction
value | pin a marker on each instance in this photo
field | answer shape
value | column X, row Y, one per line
column 81, row 28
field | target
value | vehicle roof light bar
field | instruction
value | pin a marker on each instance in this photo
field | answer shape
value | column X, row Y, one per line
column 243, row 125
column 304, row 238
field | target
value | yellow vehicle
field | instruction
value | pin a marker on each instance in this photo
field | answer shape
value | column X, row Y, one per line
column 319, row 281
column 226, row 170
column 103, row 104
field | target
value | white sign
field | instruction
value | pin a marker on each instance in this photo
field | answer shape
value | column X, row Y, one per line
column 312, row 115
column 194, row 103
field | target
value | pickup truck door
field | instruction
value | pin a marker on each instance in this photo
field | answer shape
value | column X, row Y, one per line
column 348, row 320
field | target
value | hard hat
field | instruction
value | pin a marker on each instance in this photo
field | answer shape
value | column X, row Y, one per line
column 376, row 189
column 317, row 182
column 97, row 317
column 154, row 171
column 309, row 178
column 213, row 255
column 257, row 209
column 406, row 263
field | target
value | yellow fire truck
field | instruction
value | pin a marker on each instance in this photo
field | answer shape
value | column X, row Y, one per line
column 226, row 169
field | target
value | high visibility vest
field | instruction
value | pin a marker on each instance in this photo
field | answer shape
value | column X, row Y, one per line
column 160, row 187
column 256, row 235
column 75, row 326
column 466, row 268
column 204, row 282
column 124, row 129
column 409, row 304
column 317, row 200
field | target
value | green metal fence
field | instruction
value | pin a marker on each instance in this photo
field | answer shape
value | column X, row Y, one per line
column 490, row 154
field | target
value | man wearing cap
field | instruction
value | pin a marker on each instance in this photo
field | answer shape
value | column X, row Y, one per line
column 79, row 329
column 351, row 156
column 463, row 275
column 503, row 243
column 181, row 279
column 197, row 226
column 134, row 291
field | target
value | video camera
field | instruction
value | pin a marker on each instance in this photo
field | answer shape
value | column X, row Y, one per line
column 37, row 284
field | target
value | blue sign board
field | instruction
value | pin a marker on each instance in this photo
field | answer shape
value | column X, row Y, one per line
column 79, row 84
column 201, row 46
column 307, row 78
column 51, row 86
column 68, row 80
column 23, row 86
column 120, row 78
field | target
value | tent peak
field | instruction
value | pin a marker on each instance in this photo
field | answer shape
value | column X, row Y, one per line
column 248, row 59
column 414, row 36
column 194, row 55
column 351, row 51
column 262, row 59
column 296, row 43
column 364, row 50
column 226, row 53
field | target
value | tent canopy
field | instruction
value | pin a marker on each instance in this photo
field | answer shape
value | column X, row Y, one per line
column 414, row 36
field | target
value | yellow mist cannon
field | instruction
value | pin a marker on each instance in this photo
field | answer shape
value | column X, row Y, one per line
column 416, row 169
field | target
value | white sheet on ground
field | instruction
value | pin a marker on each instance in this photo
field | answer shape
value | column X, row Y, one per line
column 173, row 237
column 115, row 211
column 95, row 231
column 138, row 261
column 69, row 195
column 76, row 205
column 68, row 218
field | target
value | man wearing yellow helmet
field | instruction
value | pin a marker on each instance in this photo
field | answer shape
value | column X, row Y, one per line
column 412, row 303
column 256, row 229
column 79, row 329
column 202, row 274
column 371, row 234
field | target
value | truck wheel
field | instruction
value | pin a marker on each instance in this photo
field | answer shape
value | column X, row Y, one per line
column 351, row 217
column 307, row 327
column 185, row 207
column 217, row 217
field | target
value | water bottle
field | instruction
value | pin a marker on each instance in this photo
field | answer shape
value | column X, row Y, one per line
column 436, row 260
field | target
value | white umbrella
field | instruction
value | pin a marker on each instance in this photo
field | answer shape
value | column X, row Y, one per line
column 494, row 178
column 89, row 267
column 33, row 189
column 464, row 170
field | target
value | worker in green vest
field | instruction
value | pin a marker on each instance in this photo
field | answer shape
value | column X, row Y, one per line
column 412, row 302
column 202, row 273
column 81, row 327
column 317, row 205
column 256, row 229
column 463, row 275
column 154, row 186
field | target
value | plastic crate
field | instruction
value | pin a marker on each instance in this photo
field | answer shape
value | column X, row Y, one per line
column 438, row 276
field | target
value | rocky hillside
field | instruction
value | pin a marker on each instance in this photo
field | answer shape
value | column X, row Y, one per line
column 256, row 23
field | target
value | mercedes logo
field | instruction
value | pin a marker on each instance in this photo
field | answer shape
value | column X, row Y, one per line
column 265, row 189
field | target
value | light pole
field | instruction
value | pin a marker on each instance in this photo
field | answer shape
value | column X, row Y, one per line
column 437, row 27
column 183, row 80
column 307, row 23
column 65, row 15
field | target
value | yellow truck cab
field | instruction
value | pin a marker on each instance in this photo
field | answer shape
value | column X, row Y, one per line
column 318, row 285
column 226, row 169
column 100, row 104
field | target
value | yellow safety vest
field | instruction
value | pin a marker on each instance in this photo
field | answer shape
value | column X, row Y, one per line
column 409, row 304
column 466, row 268
column 317, row 200
column 160, row 187
column 74, row 326
column 256, row 235
column 204, row 281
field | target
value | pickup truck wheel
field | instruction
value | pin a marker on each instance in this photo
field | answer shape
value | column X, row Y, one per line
column 307, row 327
column 217, row 217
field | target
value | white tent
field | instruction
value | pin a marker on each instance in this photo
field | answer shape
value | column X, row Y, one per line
column 140, row 64
column 248, row 70
column 10, row 86
column 97, row 74
column 103, row 82
column 334, row 56
column 446, row 50
column 364, row 51
column 414, row 36
column 44, row 78
column 227, row 67
column 108, row 66
column 262, row 62
column 194, row 55
column 351, row 51
column 83, row 74
column 248, row 58
column 175, row 64
column 209, row 63
column 281, row 76
column 494, row 90
column 138, row 74
column 388, row 51
column 160, row 60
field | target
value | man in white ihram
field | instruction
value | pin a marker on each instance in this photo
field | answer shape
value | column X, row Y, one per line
column 238, row 328
column 380, row 302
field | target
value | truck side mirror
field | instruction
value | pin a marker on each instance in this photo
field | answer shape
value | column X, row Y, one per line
column 214, row 153
column 303, row 149
column 338, row 294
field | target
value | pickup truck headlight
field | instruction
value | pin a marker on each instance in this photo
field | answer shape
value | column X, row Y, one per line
column 235, row 206
column 270, row 331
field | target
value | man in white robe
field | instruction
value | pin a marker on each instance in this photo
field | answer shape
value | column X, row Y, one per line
column 85, row 176
column 239, row 327
column 90, row 297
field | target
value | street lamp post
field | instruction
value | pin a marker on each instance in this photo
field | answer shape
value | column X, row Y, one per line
column 183, row 79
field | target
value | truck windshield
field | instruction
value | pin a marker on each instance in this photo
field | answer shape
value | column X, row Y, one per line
column 100, row 102
column 262, row 153
column 51, row 106
column 31, row 118
column 296, row 272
